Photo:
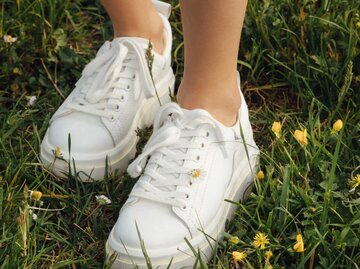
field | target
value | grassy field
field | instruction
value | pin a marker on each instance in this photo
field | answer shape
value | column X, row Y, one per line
column 300, row 66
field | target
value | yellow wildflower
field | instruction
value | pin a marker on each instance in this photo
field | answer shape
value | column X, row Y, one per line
column 16, row 71
column 355, row 181
column 234, row 240
column 14, row 87
column 260, row 240
column 337, row 126
column 358, row 24
column 238, row 256
column 268, row 255
column 276, row 128
column 36, row 195
column 300, row 137
column 57, row 152
column 299, row 245
column 9, row 39
column 260, row 175
column 312, row 210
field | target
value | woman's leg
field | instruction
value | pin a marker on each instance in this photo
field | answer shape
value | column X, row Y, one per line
column 212, row 30
column 136, row 18
column 191, row 164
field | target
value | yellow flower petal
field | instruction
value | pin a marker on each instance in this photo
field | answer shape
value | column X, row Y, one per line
column 196, row 173
column 276, row 128
column 260, row 240
column 337, row 126
column 234, row 240
column 301, row 137
column 260, row 175
column 312, row 210
column 57, row 152
column 355, row 181
column 299, row 245
column 238, row 256
column 268, row 254
column 14, row 87
column 16, row 71
column 36, row 195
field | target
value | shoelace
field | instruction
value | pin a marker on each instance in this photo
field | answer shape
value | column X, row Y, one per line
column 171, row 153
column 109, row 71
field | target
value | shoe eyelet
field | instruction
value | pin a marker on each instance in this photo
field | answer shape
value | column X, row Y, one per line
column 128, row 86
column 187, row 196
column 134, row 76
column 112, row 118
column 198, row 157
column 207, row 134
column 117, row 108
column 184, row 207
column 202, row 145
column 190, row 183
column 122, row 98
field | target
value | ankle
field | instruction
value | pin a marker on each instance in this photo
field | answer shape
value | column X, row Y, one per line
column 222, row 105
column 153, row 30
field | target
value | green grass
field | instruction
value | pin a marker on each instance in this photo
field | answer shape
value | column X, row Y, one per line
column 300, row 65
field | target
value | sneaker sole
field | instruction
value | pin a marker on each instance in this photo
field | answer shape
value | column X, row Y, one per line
column 90, row 168
column 182, row 255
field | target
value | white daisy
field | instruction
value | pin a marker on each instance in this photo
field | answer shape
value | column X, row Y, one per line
column 32, row 100
column 33, row 215
column 102, row 199
column 9, row 39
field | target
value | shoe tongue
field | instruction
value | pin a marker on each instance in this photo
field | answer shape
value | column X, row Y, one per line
column 191, row 124
column 193, row 118
column 196, row 111
column 144, row 43
column 228, row 132
column 103, row 48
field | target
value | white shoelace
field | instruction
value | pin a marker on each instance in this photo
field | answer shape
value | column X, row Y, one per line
column 173, row 153
column 110, row 73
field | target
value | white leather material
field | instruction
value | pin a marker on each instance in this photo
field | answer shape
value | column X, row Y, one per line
column 113, row 98
column 151, row 222
column 208, row 193
column 118, row 125
column 162, row 8
column 169, row 199
column 79, row 128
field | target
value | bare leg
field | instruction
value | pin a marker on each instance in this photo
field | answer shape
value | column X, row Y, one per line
column 212, row 30
column 136, row 18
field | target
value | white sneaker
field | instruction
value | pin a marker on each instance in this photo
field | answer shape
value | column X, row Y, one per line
column 195, row 164
column 114, row 97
